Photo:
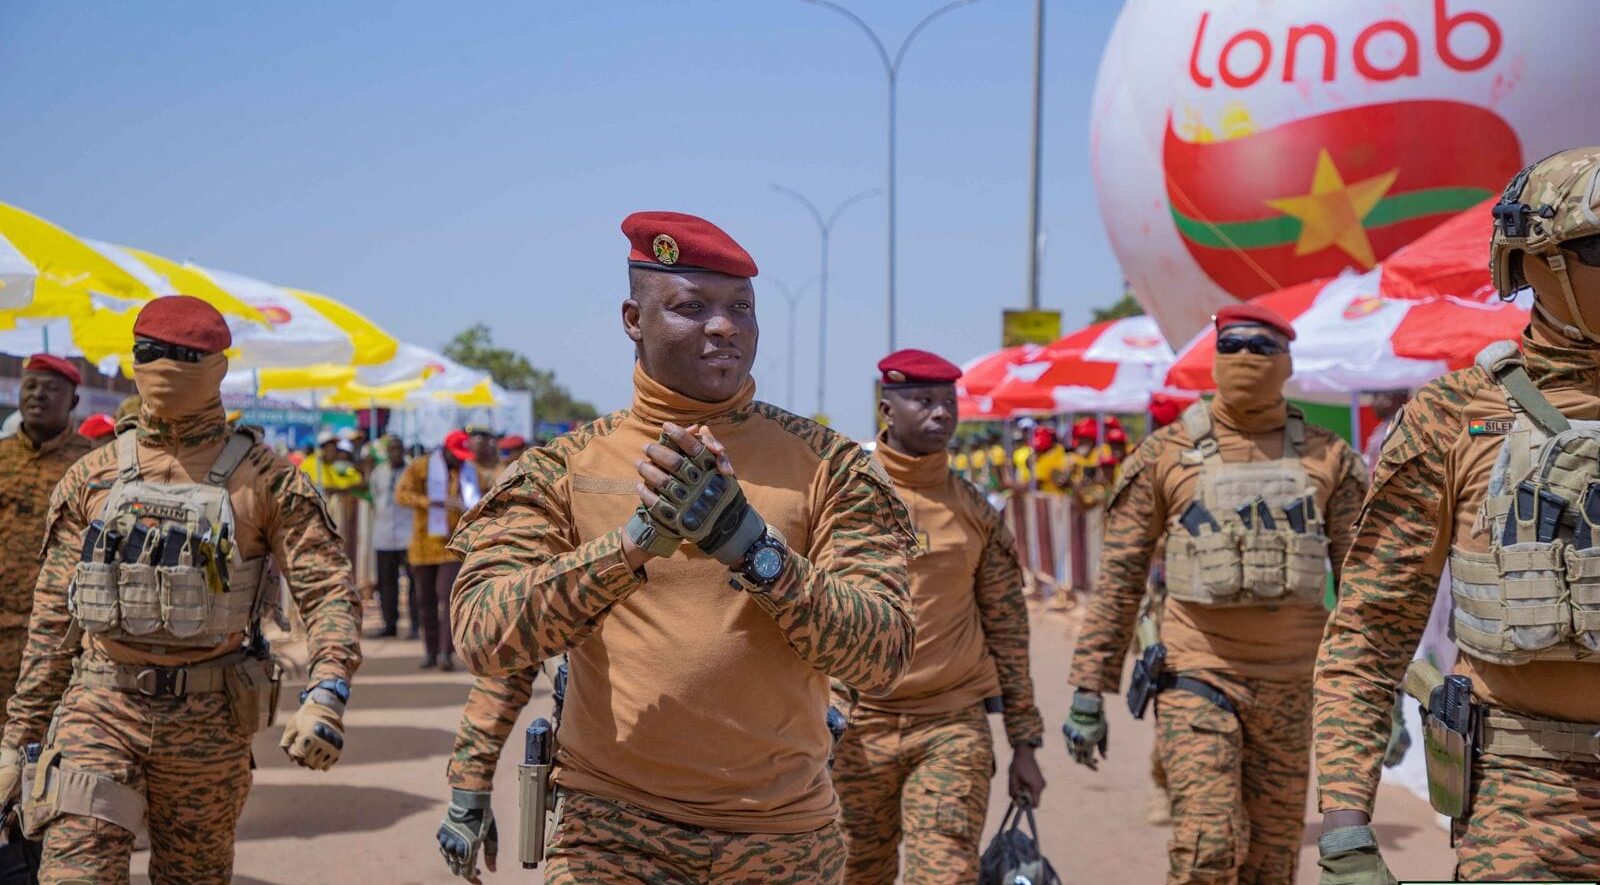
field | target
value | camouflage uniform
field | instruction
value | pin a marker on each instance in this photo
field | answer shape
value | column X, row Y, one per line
column 28, row 473
column 600, row 840
column 1529, row 818
column 1237, row 782
column 651, row 720
column 487, row 719
column 918, row 761
column 184, row 754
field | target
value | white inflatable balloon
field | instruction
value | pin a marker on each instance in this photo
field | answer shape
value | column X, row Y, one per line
column 1240, row 146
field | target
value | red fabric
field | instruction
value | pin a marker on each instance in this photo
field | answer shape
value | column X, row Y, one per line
column 912, row 366
column 1043, row 439
column 676, row 241
column 1085, row 429
column 185, row 321
column 1450, row 260
column 512, row 442
column 455, row 442
column 1115, row 434
column 44, row 362
column 97, row 425
column 1067, row 368
column 980, row 376
column 1254, row 312
column 1165, row 408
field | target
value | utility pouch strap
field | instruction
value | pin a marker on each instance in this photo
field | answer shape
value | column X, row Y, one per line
column 1507, row 734
column 98, row 796
column 1170, row 681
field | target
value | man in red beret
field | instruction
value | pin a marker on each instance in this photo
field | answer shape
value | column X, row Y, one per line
column 702, row 609
column 1252, row 502
column 31, row 463
column 149, row 709
column 914, row 765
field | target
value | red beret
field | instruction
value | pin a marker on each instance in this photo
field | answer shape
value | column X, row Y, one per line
column 44, row 362
column 678, row 242
column 511, row 442
column 1236, row 314
column 96, row 425
column 913, row 367
column 1165, row 409
column 455, row 442
column 185, row 321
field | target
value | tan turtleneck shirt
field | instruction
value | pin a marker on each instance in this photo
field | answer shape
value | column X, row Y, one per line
column 29, row 471
column 690, row 698
column 966, row 592
column 1278, row 644
column 1427, row 494
column 277, row 512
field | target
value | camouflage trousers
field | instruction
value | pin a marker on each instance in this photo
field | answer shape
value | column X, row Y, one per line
column 598, row 840
column 12, row 639
column 188, row 759
column 1238, row 783
column 925, row 777
column 1531, row 819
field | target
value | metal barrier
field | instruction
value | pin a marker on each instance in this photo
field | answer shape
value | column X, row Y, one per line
column 1058, row 544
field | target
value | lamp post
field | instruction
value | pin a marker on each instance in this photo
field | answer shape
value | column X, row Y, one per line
column 824, row 231
column 792, row 296
column 891, row 68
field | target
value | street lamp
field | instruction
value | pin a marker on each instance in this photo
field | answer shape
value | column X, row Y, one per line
column 824, row 231
column 891, row 67
column 792, row 296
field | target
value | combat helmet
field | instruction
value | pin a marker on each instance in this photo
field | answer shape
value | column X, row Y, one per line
column 1549, row 203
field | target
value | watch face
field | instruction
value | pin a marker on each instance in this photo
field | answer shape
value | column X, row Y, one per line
column 766, row 563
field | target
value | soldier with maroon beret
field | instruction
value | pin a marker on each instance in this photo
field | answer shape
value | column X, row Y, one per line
column 913, row 767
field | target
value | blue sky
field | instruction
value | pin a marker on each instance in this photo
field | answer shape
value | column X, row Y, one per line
column 436, row 165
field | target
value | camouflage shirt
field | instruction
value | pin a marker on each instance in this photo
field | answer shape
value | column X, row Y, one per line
column 28, row 473
column 1428, row 493
column 276, row 512
column 688, row 697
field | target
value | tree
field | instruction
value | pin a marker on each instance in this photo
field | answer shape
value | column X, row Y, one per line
column 1125, row 307
column 474, row 347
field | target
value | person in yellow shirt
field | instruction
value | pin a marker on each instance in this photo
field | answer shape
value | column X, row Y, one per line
column 328, row 473
column 1050, row 465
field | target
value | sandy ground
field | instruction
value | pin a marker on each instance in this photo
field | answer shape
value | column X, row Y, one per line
column 372, row 818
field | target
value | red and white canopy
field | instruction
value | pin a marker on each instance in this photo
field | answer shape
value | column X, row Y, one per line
column 1426, row 310
column 1111, row 366
column 979, row 377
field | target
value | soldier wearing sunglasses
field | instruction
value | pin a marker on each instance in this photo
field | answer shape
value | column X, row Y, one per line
column 1252, row 502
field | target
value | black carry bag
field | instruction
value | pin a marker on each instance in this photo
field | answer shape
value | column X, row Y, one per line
column 1013, row 857
column 19, row 857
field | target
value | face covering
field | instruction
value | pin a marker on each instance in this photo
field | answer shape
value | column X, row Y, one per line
column 1250, row 389
column 172, row 389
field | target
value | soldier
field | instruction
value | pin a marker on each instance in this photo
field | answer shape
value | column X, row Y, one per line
column 31, row 463
column 1252, row 502
column 155, row 657
column 703, row 611
column 917, row 761
column 1492, row 469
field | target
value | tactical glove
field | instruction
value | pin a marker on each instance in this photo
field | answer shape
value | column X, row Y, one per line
column 1350, row 857
column 1086, row 730
column 700, row 504
column 468, row 827
column 10, row 774
column 314, row 736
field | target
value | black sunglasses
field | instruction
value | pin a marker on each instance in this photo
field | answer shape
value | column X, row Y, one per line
column 150, row 351
column 1260, row 345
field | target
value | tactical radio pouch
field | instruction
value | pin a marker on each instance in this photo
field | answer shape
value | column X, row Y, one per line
column 253, row 686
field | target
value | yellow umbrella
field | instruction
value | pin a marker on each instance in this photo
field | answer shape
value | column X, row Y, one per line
column 356, row 395
column 480, row 395
column 190, row 280
column 372, row 344
column 64, row 263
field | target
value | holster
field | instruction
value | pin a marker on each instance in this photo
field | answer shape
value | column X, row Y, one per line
column 1145, row 683
column 534, row 793
column 52, row 788
column 253, row 685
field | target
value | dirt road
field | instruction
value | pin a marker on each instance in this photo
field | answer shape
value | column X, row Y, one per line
column 372, row 818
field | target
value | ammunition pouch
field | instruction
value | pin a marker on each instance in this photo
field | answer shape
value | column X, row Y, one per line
column 1206, row 569
column 1262, row 559
column 53, row 788
column 253, row 685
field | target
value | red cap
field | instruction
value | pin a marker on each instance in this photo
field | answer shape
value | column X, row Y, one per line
column 1043, row 438
column 1116, row 434
column 511, row 442
column 678, row 242
column 1236, row 314
column 97, row 425
column 185, row 321
column 44, row 362
column 912, row 367
column 1085, row 429
column 1165, row 409
column 455, row 442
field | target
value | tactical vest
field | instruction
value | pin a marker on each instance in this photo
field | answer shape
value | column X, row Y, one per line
column 1535, row 595
column 165, row 571
column 1218, row 559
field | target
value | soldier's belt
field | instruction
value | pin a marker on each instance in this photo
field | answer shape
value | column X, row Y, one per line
column 1510, row 734
column 153, row 682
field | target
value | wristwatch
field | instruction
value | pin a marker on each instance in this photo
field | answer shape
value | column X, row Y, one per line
column 765, row 559
column 339, row 687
